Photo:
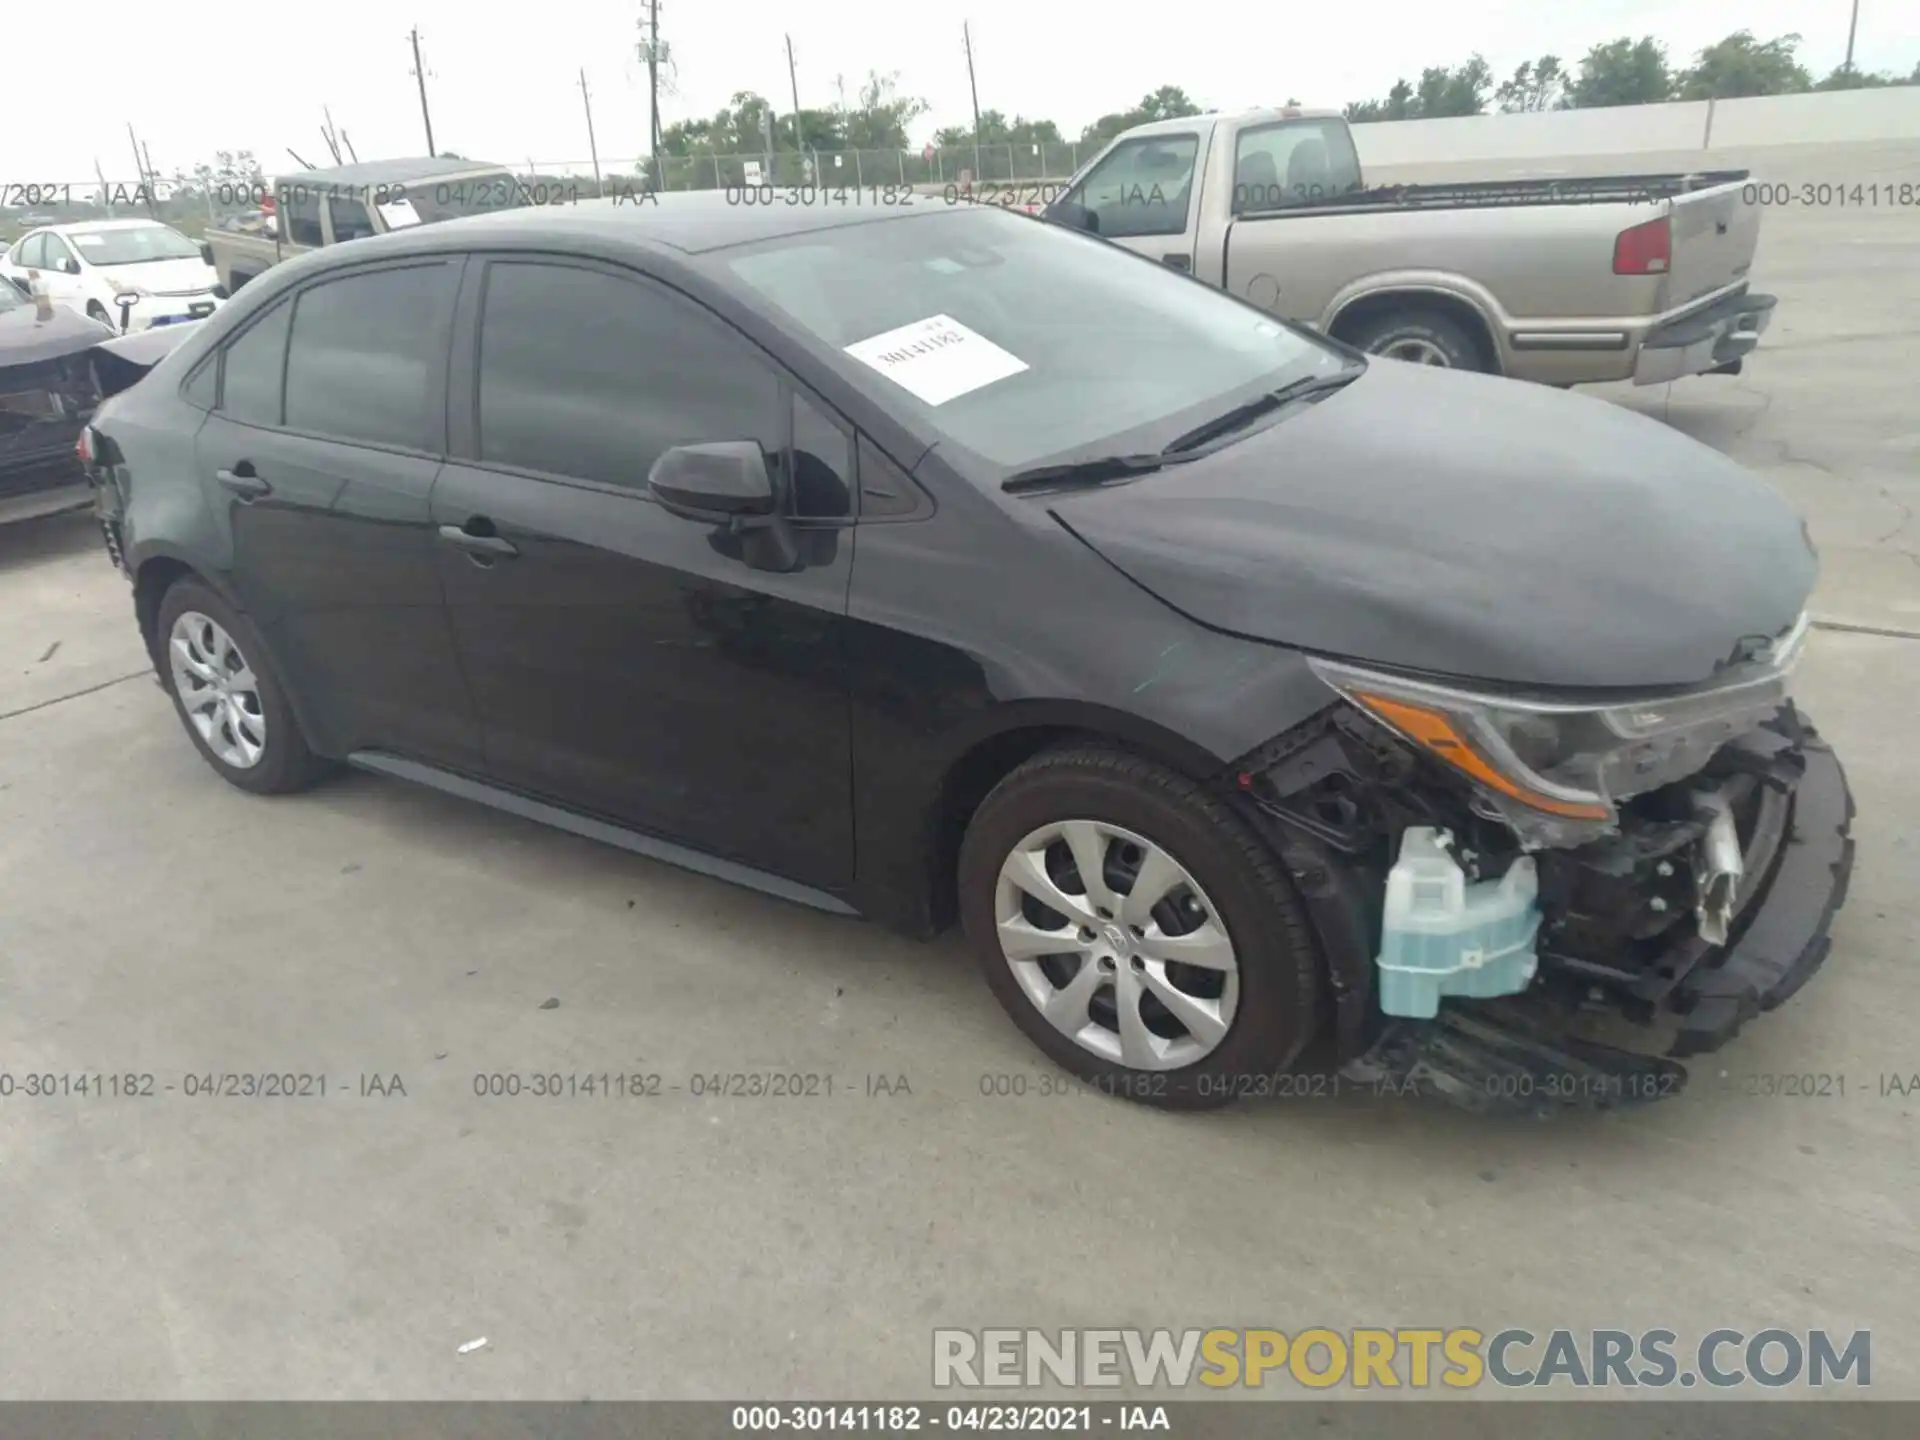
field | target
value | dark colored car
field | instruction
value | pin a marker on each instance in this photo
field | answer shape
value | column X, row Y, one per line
column 1232, row 690
column 47, row 392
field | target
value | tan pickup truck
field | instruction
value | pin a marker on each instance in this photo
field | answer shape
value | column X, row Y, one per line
column 1562, row 281
column 311, row 208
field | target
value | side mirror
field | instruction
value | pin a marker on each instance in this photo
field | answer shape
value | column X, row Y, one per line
column 1073, row 215
column 206, row 251
column 727, row 480
column 70, row 265
column 729, row 486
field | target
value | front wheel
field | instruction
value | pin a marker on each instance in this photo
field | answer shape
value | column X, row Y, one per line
column 1137, row 930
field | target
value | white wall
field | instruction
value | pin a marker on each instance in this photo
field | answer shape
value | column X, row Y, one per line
column 1838, row 117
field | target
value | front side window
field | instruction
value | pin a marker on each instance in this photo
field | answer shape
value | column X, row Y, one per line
column 1020, row 341
column 299, row 211
column 1298, row 162
column 594, row 376
column 57, row 254
column 254, row 367
column 1142, row 187
column 360, row 365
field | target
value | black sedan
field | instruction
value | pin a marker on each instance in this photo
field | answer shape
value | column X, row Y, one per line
column 927, row 562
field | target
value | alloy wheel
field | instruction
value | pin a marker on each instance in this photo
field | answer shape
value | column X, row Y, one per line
column 1116, row 945
column 1415, row 351
column 217, row 690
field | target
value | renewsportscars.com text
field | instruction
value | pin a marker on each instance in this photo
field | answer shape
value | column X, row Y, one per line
column 1458, row 1358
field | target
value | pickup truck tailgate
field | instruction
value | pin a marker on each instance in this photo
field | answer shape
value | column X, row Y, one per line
column 1715, row 232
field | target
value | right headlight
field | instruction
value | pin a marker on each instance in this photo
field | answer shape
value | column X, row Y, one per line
column 1555, row 769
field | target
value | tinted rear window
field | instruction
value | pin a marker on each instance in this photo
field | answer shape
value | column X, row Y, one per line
column 364, row 350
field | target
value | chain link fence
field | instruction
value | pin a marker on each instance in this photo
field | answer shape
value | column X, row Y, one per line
column 196, row 207
column 1000, row 164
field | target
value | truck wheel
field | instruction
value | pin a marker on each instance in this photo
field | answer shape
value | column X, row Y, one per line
column 1422, row 337
column 1137, row 930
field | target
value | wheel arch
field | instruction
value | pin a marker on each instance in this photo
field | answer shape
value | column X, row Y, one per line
column 156, row 572
column 1348, row 315
column 1012, row 735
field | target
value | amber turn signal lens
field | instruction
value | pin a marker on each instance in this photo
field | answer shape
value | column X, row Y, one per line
column 1435, row 732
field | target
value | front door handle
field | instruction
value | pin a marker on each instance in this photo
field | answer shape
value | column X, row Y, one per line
column 1178, row 261
column 489, row 545
column 243, row 482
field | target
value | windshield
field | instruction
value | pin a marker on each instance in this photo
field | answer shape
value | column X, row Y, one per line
column 1023, row 342
column 133, row 246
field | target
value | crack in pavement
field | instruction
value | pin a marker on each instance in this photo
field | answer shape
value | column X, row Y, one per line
column 75, row 695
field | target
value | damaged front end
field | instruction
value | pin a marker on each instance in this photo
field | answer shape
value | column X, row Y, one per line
column 1530, row 905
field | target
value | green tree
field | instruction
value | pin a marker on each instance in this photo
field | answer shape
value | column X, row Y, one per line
column 1536, row 85
column 1169, row 102
column 1740, row 65
column 996, row 129
column 879, row 119
column 1442, row 91
column 1622, row 72
column 1399, row 105
column 1846, row 77
column 1461, row 90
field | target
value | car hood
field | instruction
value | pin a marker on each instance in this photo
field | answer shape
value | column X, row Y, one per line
column 1466, row 525
column 25, row 338
column 166, row 277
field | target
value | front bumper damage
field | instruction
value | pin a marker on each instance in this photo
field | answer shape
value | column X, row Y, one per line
column 1628, row 985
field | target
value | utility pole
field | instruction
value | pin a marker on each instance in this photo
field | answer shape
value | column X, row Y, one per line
column 1852, row 26
column 592, row 148
column 420, row 74
column 793, row 80
column 140, row 168
column 966, row 38
column 650, row 47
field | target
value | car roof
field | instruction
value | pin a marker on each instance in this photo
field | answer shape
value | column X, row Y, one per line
column 1184, row 123
column 90, row 227
column 691, row 221
column 386, row 172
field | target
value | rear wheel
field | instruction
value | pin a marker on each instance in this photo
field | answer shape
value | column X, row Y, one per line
column 1421, row 337
column 1137, row 930
column 228, row 695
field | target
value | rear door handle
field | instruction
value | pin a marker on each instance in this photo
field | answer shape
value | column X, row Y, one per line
column 492, row 545
column 1177, row 261
column 243, row 482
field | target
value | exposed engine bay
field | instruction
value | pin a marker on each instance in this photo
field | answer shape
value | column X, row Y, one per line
column 1644, row 922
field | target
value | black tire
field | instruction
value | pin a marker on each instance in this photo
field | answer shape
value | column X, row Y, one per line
column 1279, row 967
column 1461, row 347
column 286, row 764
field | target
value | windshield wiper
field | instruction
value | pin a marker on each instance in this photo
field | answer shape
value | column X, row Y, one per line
column 1097, row 471
column 1242, row 416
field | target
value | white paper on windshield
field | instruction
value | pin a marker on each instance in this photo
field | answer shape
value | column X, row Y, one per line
column 398, row 214
column 937, row 359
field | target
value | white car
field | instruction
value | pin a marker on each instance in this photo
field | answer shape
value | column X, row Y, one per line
column 131, row 274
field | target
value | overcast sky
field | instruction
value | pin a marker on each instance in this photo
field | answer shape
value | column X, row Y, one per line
column 503, row 79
